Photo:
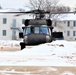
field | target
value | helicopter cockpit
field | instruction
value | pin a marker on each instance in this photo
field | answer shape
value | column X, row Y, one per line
column 37, row 30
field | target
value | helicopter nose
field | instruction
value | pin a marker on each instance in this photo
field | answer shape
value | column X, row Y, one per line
column 34, row 39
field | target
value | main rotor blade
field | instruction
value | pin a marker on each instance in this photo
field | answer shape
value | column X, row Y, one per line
column 14, row 12
column 63, row 12
column 38, row 12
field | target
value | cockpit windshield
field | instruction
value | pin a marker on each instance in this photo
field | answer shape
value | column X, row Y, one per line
column 43, row 30
column 27, row 30
column 37, row 30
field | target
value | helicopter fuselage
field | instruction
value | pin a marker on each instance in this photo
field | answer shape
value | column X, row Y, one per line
column 36, row 31
column 36, row 35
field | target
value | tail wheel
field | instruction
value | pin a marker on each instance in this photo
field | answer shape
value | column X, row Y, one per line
column 22, row 44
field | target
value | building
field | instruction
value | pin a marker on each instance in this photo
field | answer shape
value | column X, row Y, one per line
column 67, row 25
column 11, row 25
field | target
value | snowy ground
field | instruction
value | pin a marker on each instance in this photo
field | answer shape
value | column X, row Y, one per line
column 29, row 70
column 9, row 43
column 56, row 58
column 57, row 53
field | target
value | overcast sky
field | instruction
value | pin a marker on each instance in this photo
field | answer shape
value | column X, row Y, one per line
column 21, row 3
column 13, row 3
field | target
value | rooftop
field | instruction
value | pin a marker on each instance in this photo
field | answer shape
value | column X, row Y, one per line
column 62, row 17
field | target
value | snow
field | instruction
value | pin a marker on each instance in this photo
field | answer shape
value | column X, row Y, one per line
column 9, row 43
column 68, row 17
column 67, row 73
column 56, row 53
column 5, row 10
column 27, row 16
column 8, row 10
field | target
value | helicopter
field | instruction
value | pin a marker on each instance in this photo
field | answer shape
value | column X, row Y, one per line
column 37, row 31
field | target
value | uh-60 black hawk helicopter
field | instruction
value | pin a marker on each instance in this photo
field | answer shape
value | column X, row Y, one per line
column 37, row 31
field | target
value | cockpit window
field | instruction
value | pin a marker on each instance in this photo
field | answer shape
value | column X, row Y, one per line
column 37, row 30
column 44, row 30
column 27, row 31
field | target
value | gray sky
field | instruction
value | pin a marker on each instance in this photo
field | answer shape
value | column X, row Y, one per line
column 70, row 3
column 21, row 3
column 13, row 3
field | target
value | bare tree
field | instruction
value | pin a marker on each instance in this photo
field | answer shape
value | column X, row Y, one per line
column 47, row 5
column 42, row 4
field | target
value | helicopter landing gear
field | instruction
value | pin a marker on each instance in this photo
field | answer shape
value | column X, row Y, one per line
column 22, row 44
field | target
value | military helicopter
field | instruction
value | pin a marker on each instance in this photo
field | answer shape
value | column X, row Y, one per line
column 37, row 31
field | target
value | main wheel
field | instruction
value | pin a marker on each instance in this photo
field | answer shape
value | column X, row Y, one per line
column 50, row 39
column 22, row 44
